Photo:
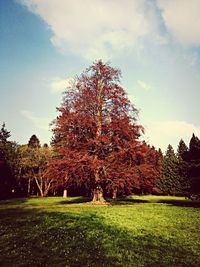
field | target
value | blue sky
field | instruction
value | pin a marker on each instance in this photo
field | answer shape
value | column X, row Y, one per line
column 156, row 44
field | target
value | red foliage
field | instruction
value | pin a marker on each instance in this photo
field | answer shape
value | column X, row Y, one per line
column 97, row 136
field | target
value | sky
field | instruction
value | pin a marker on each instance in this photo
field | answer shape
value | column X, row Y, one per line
column 155, row 43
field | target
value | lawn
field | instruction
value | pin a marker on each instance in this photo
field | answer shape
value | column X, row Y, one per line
column 135, row 231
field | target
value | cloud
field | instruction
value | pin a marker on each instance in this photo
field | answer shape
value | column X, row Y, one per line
column 97, row 28
column 182, row 20
column 161, row 133
column 144, row 85
column 40, row 123
column 59, row 85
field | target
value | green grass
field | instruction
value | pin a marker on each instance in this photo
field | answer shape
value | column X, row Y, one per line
column 135, row 231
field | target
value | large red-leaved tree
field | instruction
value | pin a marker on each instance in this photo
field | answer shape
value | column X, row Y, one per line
column 97, row 137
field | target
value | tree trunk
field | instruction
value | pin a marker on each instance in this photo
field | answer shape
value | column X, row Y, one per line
column 65, row 193
column 114, row 196
column 98, row 192
column 39, row 187
column 29, row 186
column 47, row 186
column 98, row 195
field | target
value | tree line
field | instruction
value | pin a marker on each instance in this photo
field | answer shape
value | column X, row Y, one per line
column 22, row 167
column 97, row 149
column 180, row 172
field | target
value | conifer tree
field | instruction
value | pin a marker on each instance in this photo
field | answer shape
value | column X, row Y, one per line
column 160, row 152
column 34, row 142
column 8, row 163
column 193, row 159
column 169, row 182
column 182, row 152
column 4, row 134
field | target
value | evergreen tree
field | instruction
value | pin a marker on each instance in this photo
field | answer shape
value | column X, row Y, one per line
column 182, row 152
column 169, row 182
column 8, row 164
column 160, row 152
column 193, row 159
column 194, row 148
column 34, row 142
column 4, row 134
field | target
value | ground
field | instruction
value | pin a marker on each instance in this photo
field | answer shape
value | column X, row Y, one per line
column 135, row 231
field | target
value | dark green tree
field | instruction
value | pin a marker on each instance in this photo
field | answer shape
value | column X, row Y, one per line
column 193, row 159
column 8, row 164
column 182, row 153
column 160, row 152
column 4, row 134
column 34, row 142
column 182, row 150
column 169, row 182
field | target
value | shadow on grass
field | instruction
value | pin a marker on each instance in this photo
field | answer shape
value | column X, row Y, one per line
column 118, row 201
column 126, row 201
column 13, row 201
column 39, row 238
column 132, row 201
column 75, row 200
column 181, row 203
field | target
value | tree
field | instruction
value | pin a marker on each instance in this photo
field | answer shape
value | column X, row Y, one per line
column 150, row 168
column 4, row 134
column 96, row 135
column 182, row 152
column 33, row 162
column 193, row 159
column 34, row 142
column 160, row 153
column 8, row 164
column 169, row 182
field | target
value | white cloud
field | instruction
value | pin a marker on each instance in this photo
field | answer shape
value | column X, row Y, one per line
column 60, row 85
column 97, row 28
column 40, row 123
column 182, row 19
column 161, row 134
column 144, row 85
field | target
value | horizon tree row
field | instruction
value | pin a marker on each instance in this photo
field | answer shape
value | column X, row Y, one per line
column 23, row 170
column 180, row 172
column 22, row 167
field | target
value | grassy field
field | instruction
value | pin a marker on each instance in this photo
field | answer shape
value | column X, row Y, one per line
column 137, row 231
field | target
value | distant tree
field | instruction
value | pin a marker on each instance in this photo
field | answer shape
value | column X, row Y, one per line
column 169, row 181
column 45, row 145
column 149, row 168
column 4, row 134
column 160, row 152
column 33, row 162
column 96, row 136
column 194, row 147
column 182, row 150
column 193, row 159
column 8, row 164
column 182, row 153
column 34, row 142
